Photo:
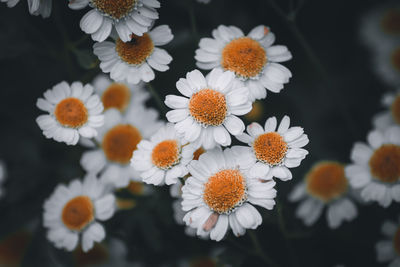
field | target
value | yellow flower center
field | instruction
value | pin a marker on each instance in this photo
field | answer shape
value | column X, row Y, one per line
column 225, row 190
column 71, row 112
column 96, row 256
column 117, row 95
column 78, row 213
column 385, row 163
column 396, row 241
column 396, row 58
column 208, row 107
column 244, row 56
column 116, row 9
column 120, row 142
column 395, row 108
column 12, row 248
column 391, row 21
column 166, row 154
column 270, row 148
column 198, row 153
column 327, row 181
column 136, row 51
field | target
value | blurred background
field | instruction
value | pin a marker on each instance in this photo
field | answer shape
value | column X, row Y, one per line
column 334, row 93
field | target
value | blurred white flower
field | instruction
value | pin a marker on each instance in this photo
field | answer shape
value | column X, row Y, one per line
column 252, row 58
column 387, row 63
column 134, row 60
column 388, row 250
column 272, row 151
column 208, row 111
column 36, row 7
column 117, row 140
column 219, row 195
column 376, row 166
column 126, row 16
column 73, row 211
column 2, row 177
column 325, row 185
column 204, row 1
column 391, row 116
column 73, row 111
column 163, row 158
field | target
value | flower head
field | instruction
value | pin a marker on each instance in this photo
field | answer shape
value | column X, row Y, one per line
column 391, row 116
column 388, row 250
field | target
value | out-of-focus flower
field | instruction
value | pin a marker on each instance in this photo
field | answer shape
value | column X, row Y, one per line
column 13, row 247
column 387, row 63
column 36, row 7
column 126, row 16
column 119, row 95
column 204, row 1
column 388, row 250
column 118, row 138
column 74, row 211
column 391, row 116
column 73, row 111
column 272, row 151
column 220, row 195
column 256, row 112
column 163, row 158
column 252, row 58
column 376, row 166
column 208, row 112
column 2, row 177
column 325, row 185
column 381, row 25
column 179, row 214
column 134, row 60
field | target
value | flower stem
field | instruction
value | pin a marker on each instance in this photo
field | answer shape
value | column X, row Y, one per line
column 157, row 98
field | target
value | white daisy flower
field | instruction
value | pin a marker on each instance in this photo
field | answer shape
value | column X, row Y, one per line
column 36, row 7
column 388, row 250
column 73, row 111
column 118, row 138
column 126, row 16
column 252, row 58
column 325, row 185
column 119, row 95
column 208, row 112
column 391, row 116
column 381, row 24
column 272, row 151
column 134, row 60
column 74, row 210
column 376, row 166
column 163, row 158
column 2, row 177
column 387, row 63
column 220, row 195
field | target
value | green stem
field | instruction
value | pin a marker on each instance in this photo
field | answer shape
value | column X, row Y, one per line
column 259, row 251
column 157, row 98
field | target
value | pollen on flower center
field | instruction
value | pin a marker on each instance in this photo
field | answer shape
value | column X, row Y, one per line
column 391, row 21
column 385, row 163
column 327, row 181
column 208, row 107
column 244, row 56
column 395, row 58
column 396, row 241
column 120, row 142
column 165, row 154
column 78, row 213
column 225, row 191
column 71, row 112
column 116, row 9
column 270, row 148
column 117, row 96
column 137, row 50
column 395, row 108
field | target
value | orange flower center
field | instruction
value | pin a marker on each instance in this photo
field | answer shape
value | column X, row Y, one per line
column 396, row 109
column 391, row 21
column 135, row 188
column 166, row 154
column 96, row 256
column 244, row 56
column 117, row 95
column 208, row 107
column 270, row 148
column 120, row 142
column 12, row 248
column 256, row 112
column 116, row 9
column 78, row 213
column 71, row 112
column 396, row 59
column 385, row 163
column 198, row 153
column 137, row 50
column 396, row 241
column 225, row 191
column 327, row 181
